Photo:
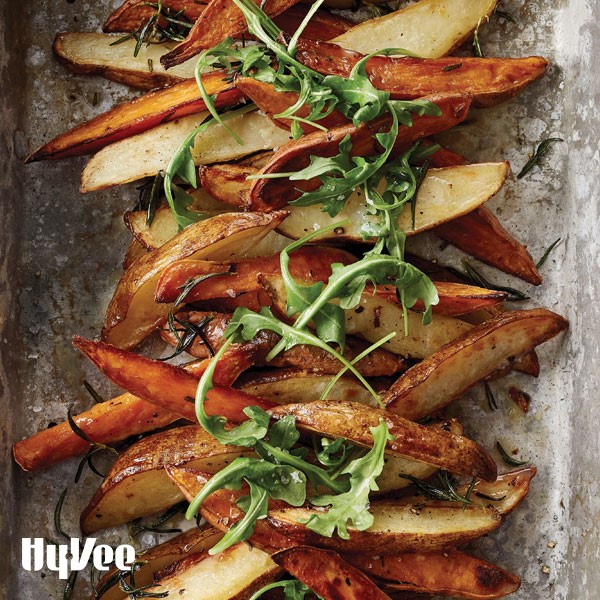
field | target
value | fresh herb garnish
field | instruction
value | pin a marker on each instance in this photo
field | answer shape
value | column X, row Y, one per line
column 547, row 253
column 491, row 399
column 130, row 587
column 477, row 51
column 185, row 333
column 92, row 392
column 475, row 277
column 446, row 490
column 155, row 526
column 58, row 513
column 541, row 151
column 507, row 458
column 292, row 590
column 70, row 585
column 80, row 433
column 505, row 15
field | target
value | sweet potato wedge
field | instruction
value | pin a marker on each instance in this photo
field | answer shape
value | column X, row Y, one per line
column 452, row 573
column 374, row 317
column 158, row 558
column 312, row 263
column 489, row 80
column 445, row 195
column 269, row 194
column 398, row 527
column 164, row 385
column 328, row 574
column 220, row 20
column 138, row 485
column 119, row 162
column 235, row 574
column 95, row 54
column 134, row 251
column 132, row 313
column 453, row 369
column 351, row 421
column 377, row 364
column 481, row 235
column 429, row 29
column 138, row 115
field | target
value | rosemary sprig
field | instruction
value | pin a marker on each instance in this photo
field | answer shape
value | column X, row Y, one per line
column 477, row 51
column 80, row 433
column 505, row 15
column 507, row 458
column 58, row 513
column 446, row 490
column 547, row 253
column 92, row 392
column 186, row 333
column 70, row 585
column 539, row 153
column 491, row 399
column 473, row 275
column 155, row 526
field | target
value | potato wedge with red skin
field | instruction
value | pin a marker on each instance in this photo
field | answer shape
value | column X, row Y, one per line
column 452, row 573
column 132, row 313
column 377, row 364
column 137, row 484
column 352, row 421
column 158, row 558
column 270, row 194
column 138, row 115
column 488, row 80
column 481, row 235
column 398, row 526
column 312, row 263
column 234, row 574
column 220, row 20
column 453, row 369
column 163, row 384
column 328, row 574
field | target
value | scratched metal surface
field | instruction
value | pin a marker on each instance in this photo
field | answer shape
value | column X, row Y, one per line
column 60, row 259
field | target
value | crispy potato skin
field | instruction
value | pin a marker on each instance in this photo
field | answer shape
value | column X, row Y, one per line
column 132, row 313
column 352, row 421
column 137, row 484
column 481, row 235
column 270, row 194
column 221, row 19
column 398, row 527
column 328, row 574
column 138, row 115
column 460, row 364
column 489, row 80
column 451, row 573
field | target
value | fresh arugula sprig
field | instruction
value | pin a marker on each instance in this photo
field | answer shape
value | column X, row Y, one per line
column 292, row 590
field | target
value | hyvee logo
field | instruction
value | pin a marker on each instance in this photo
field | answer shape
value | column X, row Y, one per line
column 65, row 558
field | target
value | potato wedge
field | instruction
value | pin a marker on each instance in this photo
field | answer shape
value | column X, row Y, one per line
column 227, row 182
column 222, row 19
column 269, row 194
column 453, row 369
column 481, row 235
column 163, row 384
column 235, row 574
column 351, row 421
column 489, row 80
column 377, row 364
column 445, row 195
column 138, row 115
column 158, row 558
column 134, row 251
column 119, row 162
column 312, row 263
column 450, row 573
column 132, row 313
column 328, row 574
column 95, row 54
column 138, row 485
column 398, row 527
column 374, row 317
column 429, row 28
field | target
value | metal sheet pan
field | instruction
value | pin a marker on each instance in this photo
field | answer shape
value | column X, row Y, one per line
column 60, row 258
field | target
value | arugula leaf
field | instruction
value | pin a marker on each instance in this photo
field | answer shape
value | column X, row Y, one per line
column 353, row 505
column 292, row 590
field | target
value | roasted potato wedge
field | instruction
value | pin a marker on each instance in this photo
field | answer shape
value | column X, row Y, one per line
column 445, row 195
column 489, row 80
column 134, row 251
column 398, row 527
column 163, row 384
column 235, row 574
column 118, row 163
column 450, row 573
column 328, row 574
column 138, row 485
column 227, row 182
column 158, row 558
column 133, row 13
column 481, row 235
column 429, row 28
column 97, row 54
column 270, row 194
column 132, row 313
column 138, row 115
column 351, row 421
column 453, row 369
